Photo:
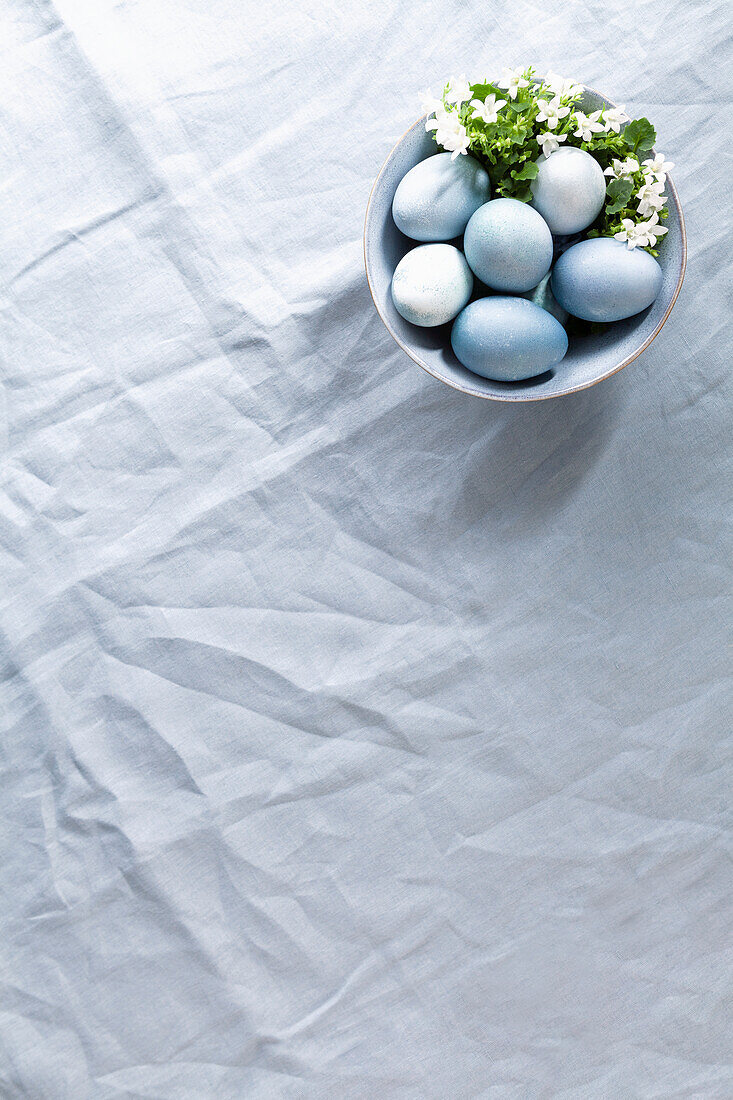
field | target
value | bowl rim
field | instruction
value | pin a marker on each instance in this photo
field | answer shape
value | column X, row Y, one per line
column 522, row 396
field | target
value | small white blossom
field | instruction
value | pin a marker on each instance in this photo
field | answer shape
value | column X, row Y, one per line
column 588, row 125
column 442, row 120
column 621, row 168
column 561, row 87
column 429, row 102
column 651, row 198
column 512, row 80
column 549, row 142
column 630, row 233
column 613, row 118
column 488, row 111
column 449, row 132
column 551, row 112
column 459, row 90
column 658, row 167
column 641, row 234
column 651, row 229
column 455, row 141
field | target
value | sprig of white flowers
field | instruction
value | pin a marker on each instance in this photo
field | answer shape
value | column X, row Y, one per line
column 651, row 200
column 649, row 180
column 505, row 122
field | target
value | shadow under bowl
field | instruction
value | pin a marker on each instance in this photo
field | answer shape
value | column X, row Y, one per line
column 590, row 358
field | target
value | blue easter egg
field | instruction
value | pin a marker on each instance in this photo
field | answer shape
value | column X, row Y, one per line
column 507, row 339
column 431, row 284
column 603, row 280
column 568, row 190
column 508, row 245
column 434, row 201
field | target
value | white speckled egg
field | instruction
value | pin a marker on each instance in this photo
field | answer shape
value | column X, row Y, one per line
column 603, row 280
column 568, row 190
column 435, row 199
column 431, row 284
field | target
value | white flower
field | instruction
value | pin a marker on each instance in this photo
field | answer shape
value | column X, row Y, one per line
column 588, row 125
column 658, row 167
column 549, row 142
column 613, row 118
column 455, row 141
column 631, row 233
column 449, row 132
column 429, row 102
column 653, row 206
column 650, row 230
column 641, row 234
column 651, row 198
column 512, row 80
column 442, row 120
column 551, row 112
column 488, row 111
column 459, row 90
column 621, row 168
column 564, row 88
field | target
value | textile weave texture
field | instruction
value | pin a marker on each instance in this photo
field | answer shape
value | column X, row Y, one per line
column 359, row 738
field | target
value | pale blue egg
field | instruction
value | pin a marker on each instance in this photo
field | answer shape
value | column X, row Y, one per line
column 508, row 245
column 543, row 297
column 604, row 280
column 568, row 190
column 507, row 339
column 435, row 199
column 431, row 284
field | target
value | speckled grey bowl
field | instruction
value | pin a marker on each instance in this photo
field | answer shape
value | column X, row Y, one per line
column 590, row 358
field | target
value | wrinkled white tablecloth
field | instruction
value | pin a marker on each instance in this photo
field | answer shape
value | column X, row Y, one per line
column 358, row 738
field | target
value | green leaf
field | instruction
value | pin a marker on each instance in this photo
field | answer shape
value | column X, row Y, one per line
column 524, row 194
column 619, row 187
column 520, row 104
column 619, row 192
column 480, row 91
column 528, row 171
column 640, row 135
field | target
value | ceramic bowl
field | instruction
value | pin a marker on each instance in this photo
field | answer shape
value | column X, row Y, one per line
column 590, row 358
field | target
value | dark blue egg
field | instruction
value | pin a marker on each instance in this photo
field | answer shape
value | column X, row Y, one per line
column 435, row 199
column 604, row 280
column 507, row 339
